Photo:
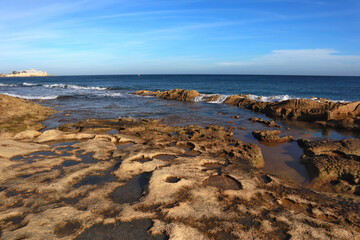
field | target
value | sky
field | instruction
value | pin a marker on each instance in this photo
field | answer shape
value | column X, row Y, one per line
column 86, row 37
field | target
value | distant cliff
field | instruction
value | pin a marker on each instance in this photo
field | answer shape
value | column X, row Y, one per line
column 26, row 73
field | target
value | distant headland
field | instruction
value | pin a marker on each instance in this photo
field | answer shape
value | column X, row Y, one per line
column 26, row 73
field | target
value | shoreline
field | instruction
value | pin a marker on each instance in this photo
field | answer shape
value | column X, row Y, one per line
column 196, row 182
column 321, row 111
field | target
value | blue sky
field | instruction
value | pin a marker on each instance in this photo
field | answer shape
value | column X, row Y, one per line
column 68, row 37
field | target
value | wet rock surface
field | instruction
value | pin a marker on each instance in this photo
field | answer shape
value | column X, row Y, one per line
column 333, row 164
column 271, row 136
column 266, row 122
column 319, row 111
column 159, row 182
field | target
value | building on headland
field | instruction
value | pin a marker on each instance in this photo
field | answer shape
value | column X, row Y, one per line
column 26, row 73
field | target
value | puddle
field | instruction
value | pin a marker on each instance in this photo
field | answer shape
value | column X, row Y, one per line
column 27, row 159
column 63, row 144
column 113, row 131
column 44, row 154
column 69, row 163
column 96, row 180
column 134, row 230
column 117, row 165
column 166, row 157
column 133, row 190
column 88, row 158
column 284, row 160
column 124, row 146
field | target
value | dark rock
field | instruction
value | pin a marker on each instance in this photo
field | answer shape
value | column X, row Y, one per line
column 271, row 136
column 335, row 163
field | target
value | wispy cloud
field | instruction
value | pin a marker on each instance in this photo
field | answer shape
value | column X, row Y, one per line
column 303, row 61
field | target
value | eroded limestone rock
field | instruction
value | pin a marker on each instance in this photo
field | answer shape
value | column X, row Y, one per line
column 19, row 114
column 181, row 183
column 271, row 136
column 333, row 165
column 321, row 111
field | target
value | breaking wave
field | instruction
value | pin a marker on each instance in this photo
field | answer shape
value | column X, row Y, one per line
column 32, row 97
column 71, row 86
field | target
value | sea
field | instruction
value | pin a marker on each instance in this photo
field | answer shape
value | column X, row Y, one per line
column 112, row 96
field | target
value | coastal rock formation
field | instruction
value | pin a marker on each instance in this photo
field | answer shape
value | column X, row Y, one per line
column 271, row 136
column 147, row 180
column 266, row 122
column 175, row 94
column 320, row 111
column 19, row 114
column 333, row 165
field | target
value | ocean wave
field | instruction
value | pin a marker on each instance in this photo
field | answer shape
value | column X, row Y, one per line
column 8, row 84
column 32, row 97
column 211, row 98
column 110, row 95
column 31, row 84
column 275, row 98
column 219, row 98
column 75, row 87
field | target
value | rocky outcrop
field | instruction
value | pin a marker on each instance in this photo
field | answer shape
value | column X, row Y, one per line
column 320, row 111
column 333, row 165
column 153, row 181
column 19, row 114
column 265, row 122
column 271, row 136
column 175, row 94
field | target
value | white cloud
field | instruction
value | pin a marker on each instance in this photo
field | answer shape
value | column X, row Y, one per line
column 303, row 61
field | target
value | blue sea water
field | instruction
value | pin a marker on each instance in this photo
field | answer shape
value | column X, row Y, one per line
column 335, row 88
column 111, row 96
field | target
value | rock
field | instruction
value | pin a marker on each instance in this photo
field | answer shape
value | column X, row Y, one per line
column 19, row 114
column 57, row 135
column 333, row 163
column 266, row 122
column 177, row 182
column 28, row 134
column 100, row 147
column 271, row 136
column 10, row 148
column 337, row 115
column 175, row 94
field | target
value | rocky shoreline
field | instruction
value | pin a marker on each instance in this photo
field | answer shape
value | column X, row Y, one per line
column 321, row 111
column 146, row 180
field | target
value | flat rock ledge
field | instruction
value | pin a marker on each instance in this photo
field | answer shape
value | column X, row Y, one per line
column 320, row 111
column 333, row 165
column 147, row 180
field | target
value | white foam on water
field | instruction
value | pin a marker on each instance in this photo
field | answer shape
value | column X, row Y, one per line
column 30, row 84
column 110, row 94
column 206, row 97
column 72, row 86
column 8, row 85
column 275, row 98
column 32, row 96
